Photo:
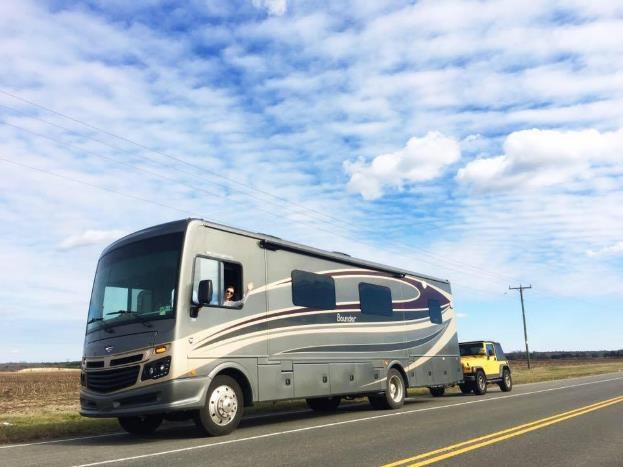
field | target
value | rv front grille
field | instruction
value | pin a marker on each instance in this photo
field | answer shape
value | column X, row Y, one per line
column 126, row 360
column 112, row 380
column 99, row 364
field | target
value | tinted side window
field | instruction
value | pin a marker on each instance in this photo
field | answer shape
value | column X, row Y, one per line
column 375, row 299
column 499, row 352
column 490, row 351
column 313, row 290
column 434, row 311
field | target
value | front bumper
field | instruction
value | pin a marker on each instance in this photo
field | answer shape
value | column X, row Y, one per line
column 168, row 396
column 469, row 377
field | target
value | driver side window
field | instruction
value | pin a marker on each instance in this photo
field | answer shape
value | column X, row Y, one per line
column 223, row 274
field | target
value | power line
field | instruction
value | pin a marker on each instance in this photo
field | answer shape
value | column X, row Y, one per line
column 139, row 169
column 212, row 193
column 157, row 203
column 447, row 262
column 155, row 151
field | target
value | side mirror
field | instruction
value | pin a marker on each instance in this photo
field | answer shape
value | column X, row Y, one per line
column 482, row 352
column 204, row 292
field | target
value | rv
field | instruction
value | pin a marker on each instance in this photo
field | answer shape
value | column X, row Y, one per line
column 193, row 319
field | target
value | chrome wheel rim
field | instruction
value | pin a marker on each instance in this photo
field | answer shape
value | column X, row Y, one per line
column 395, row 388
column 223, row 405
column 507, row 380
column 481, row 382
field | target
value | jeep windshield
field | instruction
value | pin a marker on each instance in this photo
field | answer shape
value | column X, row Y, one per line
column 471, row 349
column 136, row 282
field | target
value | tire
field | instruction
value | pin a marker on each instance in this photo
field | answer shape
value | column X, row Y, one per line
column 507, row 381
column 480, row 383
column 140, row 425
column 437, row 391
column 394, row 395
column 223, row 408
column 324, row 404
column 465, row 388
column 377, row 402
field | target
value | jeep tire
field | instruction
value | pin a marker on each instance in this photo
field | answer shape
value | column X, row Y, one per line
column 480, row 383
column 507, row 381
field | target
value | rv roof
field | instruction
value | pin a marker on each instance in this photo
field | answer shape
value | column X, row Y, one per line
column 269, row 242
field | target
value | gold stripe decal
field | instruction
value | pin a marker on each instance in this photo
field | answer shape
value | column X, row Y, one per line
column 492, row 438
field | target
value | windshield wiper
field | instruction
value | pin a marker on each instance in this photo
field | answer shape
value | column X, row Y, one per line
column 137, row 316
column 120, row 312
column 144, row 321
column 104, row 327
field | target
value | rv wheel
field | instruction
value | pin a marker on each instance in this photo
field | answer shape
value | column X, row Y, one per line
column 324, row 404
column 142, row 425
column 394, row 395
column 437, row 391
column 377, row 402
column 223, row 409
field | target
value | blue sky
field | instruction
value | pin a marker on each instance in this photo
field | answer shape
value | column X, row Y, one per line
column 476, row 141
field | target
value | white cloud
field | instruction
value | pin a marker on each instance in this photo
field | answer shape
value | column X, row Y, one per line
column 273, row 7
column 542, row 158
column 91, row 237
column 279, row 105
column 612, row 250
column 421, row 160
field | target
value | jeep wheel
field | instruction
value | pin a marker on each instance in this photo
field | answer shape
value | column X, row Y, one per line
column 507, row 381
column 480, row 383
column 437, row 391
column 324, row 404
column 465, row 388
column 223, row 408
column 141, row 425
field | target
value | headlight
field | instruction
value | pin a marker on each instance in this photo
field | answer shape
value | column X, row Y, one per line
column 157, row 369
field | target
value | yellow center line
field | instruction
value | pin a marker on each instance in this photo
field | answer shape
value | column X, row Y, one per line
column 502, row 435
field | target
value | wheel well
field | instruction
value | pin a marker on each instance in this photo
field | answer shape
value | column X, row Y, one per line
column 402, row 373
column 242, row 380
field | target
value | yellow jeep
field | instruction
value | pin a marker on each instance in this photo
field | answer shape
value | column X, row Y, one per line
column 484, row 363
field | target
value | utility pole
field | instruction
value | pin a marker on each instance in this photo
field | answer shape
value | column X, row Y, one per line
column 523, row 313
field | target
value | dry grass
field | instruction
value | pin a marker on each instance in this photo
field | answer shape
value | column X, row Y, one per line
column 547, row 370
column 25, row 393
column 44, row 405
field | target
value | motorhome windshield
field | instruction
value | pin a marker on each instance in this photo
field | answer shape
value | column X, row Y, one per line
column 136, row 282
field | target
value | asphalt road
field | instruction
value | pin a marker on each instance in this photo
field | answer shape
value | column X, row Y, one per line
column 567, row 422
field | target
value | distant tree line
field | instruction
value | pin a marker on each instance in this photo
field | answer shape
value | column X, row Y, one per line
column 564, row 354
column 16, row 366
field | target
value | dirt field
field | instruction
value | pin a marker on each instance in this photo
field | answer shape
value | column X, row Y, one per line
column 26, row 393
